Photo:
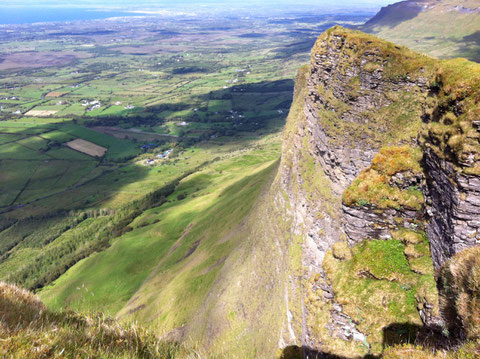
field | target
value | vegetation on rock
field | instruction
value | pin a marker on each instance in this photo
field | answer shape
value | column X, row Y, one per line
column 459, row 290
column 378, row 287
column 452, row 113
column 377, row 185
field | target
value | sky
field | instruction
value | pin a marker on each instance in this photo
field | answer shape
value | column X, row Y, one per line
column 129, row 4
column 28, row 11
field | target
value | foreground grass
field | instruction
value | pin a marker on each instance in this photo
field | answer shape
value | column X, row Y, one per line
column 29, row 330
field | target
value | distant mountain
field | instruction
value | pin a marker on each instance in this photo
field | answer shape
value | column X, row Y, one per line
column 441, row 28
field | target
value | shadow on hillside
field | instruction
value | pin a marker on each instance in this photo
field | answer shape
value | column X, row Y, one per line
column 474, row 38
column 304, row 352
column 394, row 334
column 257, row 108
column 470, row 46
column 249, row 107
column 47, row 194
column 303, row 45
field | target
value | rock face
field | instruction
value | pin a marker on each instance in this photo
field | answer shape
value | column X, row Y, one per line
column 349, row 83
column 350, row 174
column 454, row 209
column 362, row 223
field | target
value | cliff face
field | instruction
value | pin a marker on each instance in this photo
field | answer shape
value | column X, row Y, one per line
column 353, row 81
column 450, row 143
column 454, row 209
column 379, row 172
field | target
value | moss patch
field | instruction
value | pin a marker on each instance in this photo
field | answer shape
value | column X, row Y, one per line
column 377, row 287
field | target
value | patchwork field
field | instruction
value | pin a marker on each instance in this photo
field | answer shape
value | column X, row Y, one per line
column 40, row 113
column 86, row 147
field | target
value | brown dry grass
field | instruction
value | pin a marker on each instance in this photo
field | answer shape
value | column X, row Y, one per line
column 40, row 113
column 56, row 94
column 29, row 330
column 18, row 308
column 459, row 281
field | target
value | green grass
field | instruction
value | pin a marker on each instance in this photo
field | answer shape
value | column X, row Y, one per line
column 14, row 175
column 54, row 177
column 219, row 105
column 15, row 151
column 65, row 153
column 34, row 143
column 57, row 136
column 5, row 138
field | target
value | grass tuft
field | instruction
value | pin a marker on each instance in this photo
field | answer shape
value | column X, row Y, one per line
column 459, row 281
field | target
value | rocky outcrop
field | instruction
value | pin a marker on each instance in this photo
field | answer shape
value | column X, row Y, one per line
column 362, row 223
column 350, row 82
column 385, row 197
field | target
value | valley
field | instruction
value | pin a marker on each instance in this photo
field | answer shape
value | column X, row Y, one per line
column 119, row 155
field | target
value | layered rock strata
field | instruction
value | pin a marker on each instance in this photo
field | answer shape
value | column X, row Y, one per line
column 454, row 209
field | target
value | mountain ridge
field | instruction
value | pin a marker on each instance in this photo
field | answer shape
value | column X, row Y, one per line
column 440, row 28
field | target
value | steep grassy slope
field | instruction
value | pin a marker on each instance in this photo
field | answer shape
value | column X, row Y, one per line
column 444, row 29
column 185, row 259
